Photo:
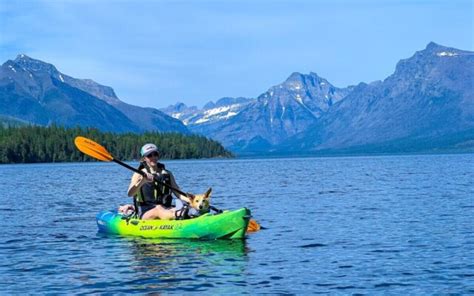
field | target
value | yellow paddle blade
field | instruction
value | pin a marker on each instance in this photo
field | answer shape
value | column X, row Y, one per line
column 253, row 226
column 91, row 148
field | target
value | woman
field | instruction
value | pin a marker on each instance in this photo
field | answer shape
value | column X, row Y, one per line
column 153, row 199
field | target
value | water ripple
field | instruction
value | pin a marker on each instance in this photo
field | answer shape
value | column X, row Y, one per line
column 340, row 225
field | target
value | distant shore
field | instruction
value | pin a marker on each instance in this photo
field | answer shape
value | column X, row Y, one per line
column 36, row 144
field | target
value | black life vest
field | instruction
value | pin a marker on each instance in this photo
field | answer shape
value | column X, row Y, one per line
column 155, row 193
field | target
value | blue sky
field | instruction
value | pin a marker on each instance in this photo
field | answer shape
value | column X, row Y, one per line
column 156, row 53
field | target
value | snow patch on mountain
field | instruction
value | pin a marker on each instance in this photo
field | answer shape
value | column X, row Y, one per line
column 299, row 99
column 446, row 54
column 220, row 113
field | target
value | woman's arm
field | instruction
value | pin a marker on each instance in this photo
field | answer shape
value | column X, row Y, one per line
column 135, row 184
column 180, row 196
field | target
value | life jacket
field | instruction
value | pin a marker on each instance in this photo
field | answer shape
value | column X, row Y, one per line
column 155, row 193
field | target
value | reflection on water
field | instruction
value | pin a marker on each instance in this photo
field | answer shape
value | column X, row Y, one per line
column 166, row 248
column 187, row 265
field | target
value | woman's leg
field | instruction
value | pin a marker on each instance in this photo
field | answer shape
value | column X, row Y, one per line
column 159, row 212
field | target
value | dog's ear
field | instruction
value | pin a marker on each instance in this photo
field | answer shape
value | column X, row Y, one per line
column 208, row 193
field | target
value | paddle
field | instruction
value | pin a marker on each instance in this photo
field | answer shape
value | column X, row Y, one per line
column 97, row 151
column 253, row 226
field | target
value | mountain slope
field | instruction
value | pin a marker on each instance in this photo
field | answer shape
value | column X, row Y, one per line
column 429, row 97
column 37, row 92
column 147, row 119
column 258, row 124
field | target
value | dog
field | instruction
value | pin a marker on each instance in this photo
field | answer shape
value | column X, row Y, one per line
column 201, row 203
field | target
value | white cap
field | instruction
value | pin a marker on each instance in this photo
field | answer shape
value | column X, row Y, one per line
column 147, row 149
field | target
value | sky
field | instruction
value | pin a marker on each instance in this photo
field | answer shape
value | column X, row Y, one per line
column 158, row 53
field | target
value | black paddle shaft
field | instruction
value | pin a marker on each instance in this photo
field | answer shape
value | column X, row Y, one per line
column 144, row 175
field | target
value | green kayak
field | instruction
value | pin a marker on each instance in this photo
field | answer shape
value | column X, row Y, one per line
column 225, row 225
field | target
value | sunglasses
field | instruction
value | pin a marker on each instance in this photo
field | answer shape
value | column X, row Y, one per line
column 154, row 154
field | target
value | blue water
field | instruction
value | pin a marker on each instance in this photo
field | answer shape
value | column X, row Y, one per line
column 367, row 225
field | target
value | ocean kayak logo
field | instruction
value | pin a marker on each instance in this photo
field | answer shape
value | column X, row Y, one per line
column 160, row 227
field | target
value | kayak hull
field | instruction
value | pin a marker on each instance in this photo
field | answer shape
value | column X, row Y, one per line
column 225, row 225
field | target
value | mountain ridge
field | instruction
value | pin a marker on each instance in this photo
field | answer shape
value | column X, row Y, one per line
column 37, row 92
column 428, row 94
column 428, row 97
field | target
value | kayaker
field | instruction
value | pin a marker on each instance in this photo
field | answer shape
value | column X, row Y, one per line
column 152, row 199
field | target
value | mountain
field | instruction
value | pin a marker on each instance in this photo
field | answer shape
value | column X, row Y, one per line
column 196, row 118
column 36, row 92
column 283, row 111
column 426, row 104
column 243, row 124
column 180, row 111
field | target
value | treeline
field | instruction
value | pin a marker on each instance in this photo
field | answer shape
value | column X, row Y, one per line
column 30, row 144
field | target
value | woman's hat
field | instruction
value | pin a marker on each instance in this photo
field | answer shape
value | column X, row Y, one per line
column 147, row 149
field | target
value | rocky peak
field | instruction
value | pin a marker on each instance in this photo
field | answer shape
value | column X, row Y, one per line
column 308, row 91
column 178, row 107
column 226, row 101
column 311, row 78
column 429, row 63
column 303, row 82
column 37, row 92
column 33, row 65
column 103, row 92
column 434, row 49
column 209, row 105
column 295, row 77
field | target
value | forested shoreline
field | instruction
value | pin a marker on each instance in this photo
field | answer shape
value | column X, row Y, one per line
column 32, row 144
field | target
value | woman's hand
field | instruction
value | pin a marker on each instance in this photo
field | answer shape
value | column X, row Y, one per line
column 126, row 209
column 187, row 198
column 147, row 178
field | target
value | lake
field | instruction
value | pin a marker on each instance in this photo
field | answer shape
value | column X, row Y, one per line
column 349, row 225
